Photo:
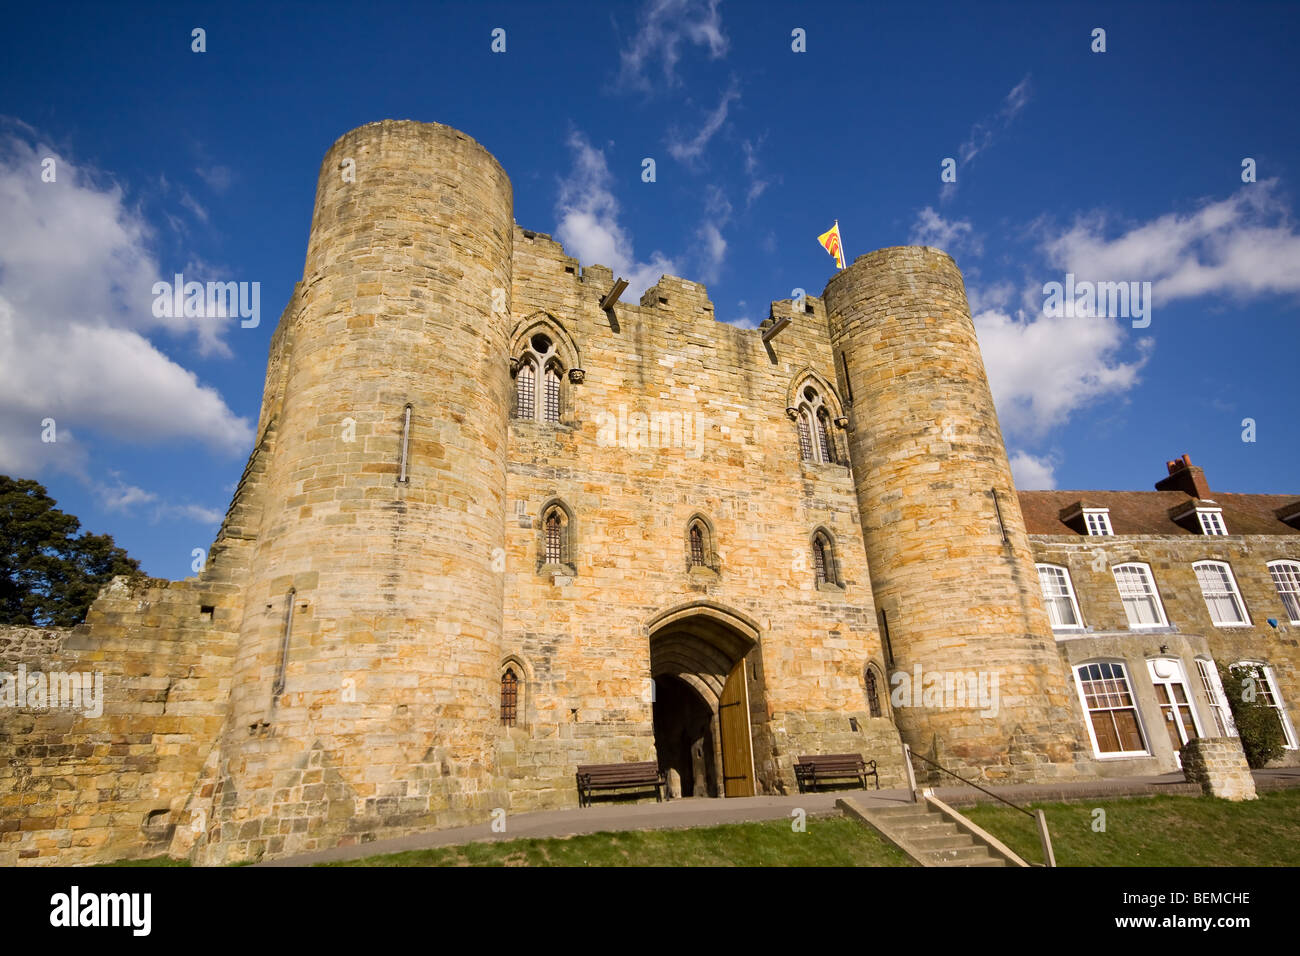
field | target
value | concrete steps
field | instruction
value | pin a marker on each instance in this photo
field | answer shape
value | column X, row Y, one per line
column 925, row 835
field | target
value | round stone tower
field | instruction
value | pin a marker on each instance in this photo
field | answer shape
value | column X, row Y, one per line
column 365, row 687
column 951, row 567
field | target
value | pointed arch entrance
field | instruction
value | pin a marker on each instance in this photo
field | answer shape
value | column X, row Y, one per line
column 703, row 730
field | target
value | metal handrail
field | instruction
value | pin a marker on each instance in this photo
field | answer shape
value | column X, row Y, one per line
column 1049, row 856
column 1028, row 813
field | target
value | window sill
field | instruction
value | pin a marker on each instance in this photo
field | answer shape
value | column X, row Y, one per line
column 558, row 571
column 829, row 588
column 701, row 571
column 1124, row 755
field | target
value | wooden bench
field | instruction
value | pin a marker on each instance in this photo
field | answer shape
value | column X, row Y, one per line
column 813, row 770
column 619, row 776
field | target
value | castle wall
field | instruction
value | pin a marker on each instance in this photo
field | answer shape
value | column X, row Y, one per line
column 583, row 636
column 384, row 584
column 112, row 781
column 333, row 674
column 954, row 578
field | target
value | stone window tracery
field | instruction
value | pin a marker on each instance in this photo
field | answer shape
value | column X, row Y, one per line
column 539, row 377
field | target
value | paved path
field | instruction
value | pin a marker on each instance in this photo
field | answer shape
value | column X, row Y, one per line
column 679, row 814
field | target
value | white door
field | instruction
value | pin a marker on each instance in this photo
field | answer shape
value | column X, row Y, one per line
column 1175, row 700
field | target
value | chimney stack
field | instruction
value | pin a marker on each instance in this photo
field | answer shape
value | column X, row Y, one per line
column 1185, row 477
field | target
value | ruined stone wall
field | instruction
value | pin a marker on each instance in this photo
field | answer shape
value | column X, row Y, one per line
column 1191, row 632
column 583, row 636
column 928, row 460
column 82, row 787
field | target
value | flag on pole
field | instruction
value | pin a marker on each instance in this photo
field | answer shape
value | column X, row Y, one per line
column 830, row 240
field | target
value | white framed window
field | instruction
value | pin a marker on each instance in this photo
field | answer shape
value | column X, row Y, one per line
column 1221, row 595
column 1097, row 521
column 1107, row 698
column 1213, row 688
column 1265, row 687
column 1137, row 591
column 1286, row 578
column 1211, row 520
column 1058, row 595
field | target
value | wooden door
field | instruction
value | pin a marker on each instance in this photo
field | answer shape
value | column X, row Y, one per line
column 733, row 719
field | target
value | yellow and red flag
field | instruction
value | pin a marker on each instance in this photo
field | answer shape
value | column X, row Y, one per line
column 830, row 240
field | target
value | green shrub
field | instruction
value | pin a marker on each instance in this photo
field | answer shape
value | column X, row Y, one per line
column 1257, row 723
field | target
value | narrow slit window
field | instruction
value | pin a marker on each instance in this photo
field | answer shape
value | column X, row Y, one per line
column 825, row 437
column 551, row 410
column 697, row 546
column 805, row 438
column 406, row 444
column 554, row 539
column 525, row 391
column 509, row 697
column 873, row 693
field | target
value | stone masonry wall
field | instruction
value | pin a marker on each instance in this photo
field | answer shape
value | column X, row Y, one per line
column 1219, row 765
column 79, row 787
column 582, row 637
column 1089, row 561
column 950, row 560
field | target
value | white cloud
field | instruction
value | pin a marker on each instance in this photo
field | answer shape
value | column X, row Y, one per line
column 588, row 220
column 1244, row 245
column 1033, row 473
column 664, row 26
column 218, row 178
column 76, row 279
column 756, row 185
column 689, row 151
column 192, row 204
column 1042, row 369
column 931, row 229
column 123, row 497
column 982, row 133
column 717, row 215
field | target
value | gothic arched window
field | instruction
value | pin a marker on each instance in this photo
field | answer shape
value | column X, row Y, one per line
column 538, row 381
column 825, row 437
column 509, row 697
column 825, row 567
column 815, row 420
column 554, row 538
column 873, row 693
column 525, row 390
column 556, row 531
column 700, row 547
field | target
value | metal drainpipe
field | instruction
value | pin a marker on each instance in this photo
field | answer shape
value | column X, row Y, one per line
column 278, row 687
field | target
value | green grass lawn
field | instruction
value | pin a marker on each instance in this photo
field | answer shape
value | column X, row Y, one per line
column 1157, row 831
column 828, row 841
column 1145, row 831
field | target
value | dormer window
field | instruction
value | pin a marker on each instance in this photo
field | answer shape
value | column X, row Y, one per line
column 1097, row 521
column 1208, row 515
column 1211, row 520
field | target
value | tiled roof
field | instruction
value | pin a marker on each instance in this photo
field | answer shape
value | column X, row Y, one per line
column 1147, row 512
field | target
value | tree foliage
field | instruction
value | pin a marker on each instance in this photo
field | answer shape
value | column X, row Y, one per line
column 1257, row 723
column 50, row 574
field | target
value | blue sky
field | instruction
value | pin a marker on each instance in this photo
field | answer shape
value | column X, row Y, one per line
column 1120, row 166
